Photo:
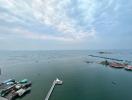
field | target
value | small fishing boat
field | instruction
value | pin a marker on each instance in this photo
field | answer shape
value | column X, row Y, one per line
column 128, row 68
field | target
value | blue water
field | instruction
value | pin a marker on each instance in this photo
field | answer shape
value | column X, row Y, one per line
column 82, row 81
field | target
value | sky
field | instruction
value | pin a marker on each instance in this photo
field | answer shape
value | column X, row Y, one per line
column 65, row 24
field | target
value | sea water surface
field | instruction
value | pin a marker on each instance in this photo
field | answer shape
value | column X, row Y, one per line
column 81, row 80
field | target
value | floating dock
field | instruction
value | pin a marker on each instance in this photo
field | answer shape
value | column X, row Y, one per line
column 55, row 82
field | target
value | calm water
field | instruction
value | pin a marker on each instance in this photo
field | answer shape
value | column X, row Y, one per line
column 82, row 81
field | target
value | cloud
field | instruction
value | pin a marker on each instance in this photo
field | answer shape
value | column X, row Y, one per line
column 21, row 33
column 69, row 38
column 52, row 13
column 70, row 20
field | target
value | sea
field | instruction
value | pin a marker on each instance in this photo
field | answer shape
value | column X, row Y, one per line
column 81, row 80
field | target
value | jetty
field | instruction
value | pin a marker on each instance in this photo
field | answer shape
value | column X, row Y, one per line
column 110, row 58
column 55, row 82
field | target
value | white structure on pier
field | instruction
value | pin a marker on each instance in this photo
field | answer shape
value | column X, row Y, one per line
column 55, row 82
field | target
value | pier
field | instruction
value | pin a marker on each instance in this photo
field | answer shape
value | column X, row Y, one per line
column 55, row 82
column 110, row 58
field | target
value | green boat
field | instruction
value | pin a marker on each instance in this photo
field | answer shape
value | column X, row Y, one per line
column 23, row 81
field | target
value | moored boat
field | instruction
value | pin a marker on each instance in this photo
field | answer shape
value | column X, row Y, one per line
column 23, row 81
column 11, row 89
column 129, row 67
column 18, row 92
column 22, row 91
column 116, row 65
column 9, row 80
column 5, row 91
column 12, row 95
column 7, row 84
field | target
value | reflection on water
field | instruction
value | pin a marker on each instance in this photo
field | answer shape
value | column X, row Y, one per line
column 82, row 81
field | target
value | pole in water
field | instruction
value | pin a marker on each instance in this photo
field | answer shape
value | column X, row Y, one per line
column 0, row 71
column 55, row 82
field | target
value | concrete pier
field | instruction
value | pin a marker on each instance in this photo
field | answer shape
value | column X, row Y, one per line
column 55, row 82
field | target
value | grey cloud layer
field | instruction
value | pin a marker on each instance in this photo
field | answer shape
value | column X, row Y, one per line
column 65, row 20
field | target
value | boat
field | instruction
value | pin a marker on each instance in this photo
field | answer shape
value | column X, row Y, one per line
column 116, row 65
column 23, row 81
column 12, row 95
column 18, row 86
column 10, row 83
column 3, row 92
column 129, row 67
column 11, row 89
column 27, row 84
column 7, row 85
column 22, row 91
column 9, row 80
column 18, row 91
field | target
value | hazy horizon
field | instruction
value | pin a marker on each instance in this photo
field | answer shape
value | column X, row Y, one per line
column 99, row 50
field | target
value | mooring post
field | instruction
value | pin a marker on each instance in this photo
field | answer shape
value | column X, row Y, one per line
column 0, row 71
